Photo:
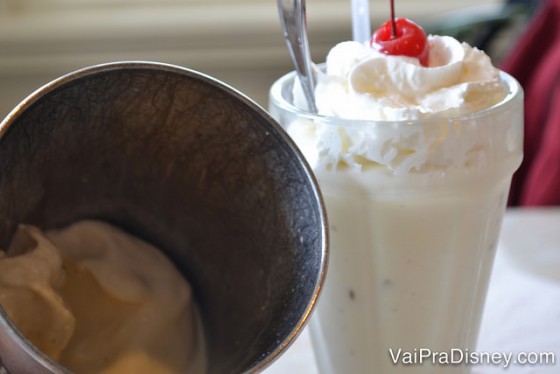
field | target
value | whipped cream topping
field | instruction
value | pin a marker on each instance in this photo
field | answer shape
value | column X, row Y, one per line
column 362, row 83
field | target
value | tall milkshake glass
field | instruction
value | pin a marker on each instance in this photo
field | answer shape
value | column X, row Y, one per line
column 413, row 236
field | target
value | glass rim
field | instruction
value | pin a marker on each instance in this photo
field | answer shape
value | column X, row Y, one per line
column 277, row 98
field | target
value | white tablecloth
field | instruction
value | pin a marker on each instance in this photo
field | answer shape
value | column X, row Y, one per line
column 522, row 313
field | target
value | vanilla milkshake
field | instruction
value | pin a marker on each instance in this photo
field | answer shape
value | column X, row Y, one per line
column 414, row 163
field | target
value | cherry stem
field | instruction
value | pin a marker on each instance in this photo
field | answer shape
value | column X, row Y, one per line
column 393, row 23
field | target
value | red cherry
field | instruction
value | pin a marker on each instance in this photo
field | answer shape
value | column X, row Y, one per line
column 408, row 39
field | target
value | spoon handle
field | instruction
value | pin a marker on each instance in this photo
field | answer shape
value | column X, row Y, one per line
column 293, row 19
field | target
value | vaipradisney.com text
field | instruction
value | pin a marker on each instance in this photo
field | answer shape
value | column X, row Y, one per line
column 457, row 356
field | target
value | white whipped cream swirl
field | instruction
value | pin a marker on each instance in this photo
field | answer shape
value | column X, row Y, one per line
column 362, row 83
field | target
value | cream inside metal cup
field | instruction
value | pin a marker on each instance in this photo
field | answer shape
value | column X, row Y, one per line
column 189, row 165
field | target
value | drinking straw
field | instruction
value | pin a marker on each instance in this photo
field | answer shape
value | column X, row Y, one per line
column 361, row 29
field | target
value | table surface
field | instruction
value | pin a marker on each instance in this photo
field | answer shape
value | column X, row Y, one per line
column 522, row 311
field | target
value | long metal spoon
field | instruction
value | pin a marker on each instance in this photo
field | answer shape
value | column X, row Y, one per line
column 293, row 21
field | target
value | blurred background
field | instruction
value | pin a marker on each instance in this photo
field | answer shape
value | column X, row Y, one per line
column 237, row 41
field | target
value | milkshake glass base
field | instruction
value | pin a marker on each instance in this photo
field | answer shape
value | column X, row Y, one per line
column 413, row 239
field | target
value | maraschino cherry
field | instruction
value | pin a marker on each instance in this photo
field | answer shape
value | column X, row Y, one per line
column 401, row 36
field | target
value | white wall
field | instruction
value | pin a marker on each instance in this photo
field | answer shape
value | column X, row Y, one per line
column 237, row 41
